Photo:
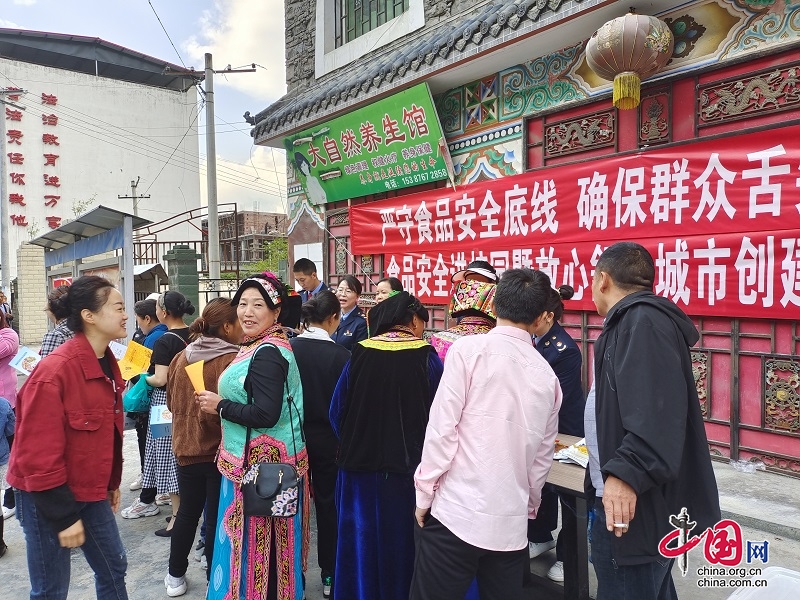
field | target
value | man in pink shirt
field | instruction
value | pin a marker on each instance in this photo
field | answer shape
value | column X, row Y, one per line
column 488, row 449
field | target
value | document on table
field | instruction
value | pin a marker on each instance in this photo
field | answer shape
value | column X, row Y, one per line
column 577, row 453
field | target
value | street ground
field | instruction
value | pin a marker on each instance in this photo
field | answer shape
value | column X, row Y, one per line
column 764, row 504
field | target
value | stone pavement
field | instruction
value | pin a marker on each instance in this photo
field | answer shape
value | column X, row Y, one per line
column 147, row 554
column 765, row 504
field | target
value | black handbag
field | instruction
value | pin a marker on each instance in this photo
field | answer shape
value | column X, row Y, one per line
column 271, row 489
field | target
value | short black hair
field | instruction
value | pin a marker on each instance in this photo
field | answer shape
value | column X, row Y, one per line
column 521, row 295
column 353, row 283
column 146, row 308
column 394, row 283
column 629, row 264
column 304, row 266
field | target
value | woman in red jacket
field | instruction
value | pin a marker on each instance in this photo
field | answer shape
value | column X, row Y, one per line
column 66, row 463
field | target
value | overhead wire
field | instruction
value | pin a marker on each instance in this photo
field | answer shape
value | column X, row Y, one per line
column 181, row 163
column 164, row 166
column 157, row 148
column 281, row 194
column 148, row 147
column 165, row 33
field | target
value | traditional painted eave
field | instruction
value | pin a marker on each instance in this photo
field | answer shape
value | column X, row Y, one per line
column 388, row 69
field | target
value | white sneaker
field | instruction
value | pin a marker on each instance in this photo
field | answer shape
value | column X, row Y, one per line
column 136, row 484
column 556, row 572
column 176, row 586
column 204, row 563
column 8, row 512
column 139, row 509
column 537, row 548
column 163, row 500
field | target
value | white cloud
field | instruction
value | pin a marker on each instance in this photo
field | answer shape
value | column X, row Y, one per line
column 241, row 32
column 267, row 173
column 9, row 24
column 24, row 2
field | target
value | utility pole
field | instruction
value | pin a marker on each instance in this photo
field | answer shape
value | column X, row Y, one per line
column 133, row 196
column 5, row 254
column 211, row 172
column 211, row 180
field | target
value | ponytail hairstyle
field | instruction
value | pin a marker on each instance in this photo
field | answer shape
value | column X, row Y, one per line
column 57, row 302
column 555, row 298
column 176, row 304
column 397, row 310
column 89, row 292
column 318, row 308
column 217, row 313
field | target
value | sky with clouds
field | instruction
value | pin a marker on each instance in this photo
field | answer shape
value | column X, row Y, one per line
column 236, row 32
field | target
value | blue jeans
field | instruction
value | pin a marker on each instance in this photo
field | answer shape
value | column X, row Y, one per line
column 49, row 563
column 648, row 581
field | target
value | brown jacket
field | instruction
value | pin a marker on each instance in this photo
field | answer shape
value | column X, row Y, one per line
column 195, row 434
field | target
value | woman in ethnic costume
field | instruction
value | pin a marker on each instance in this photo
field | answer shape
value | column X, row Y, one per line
column 379, row 412
column 259, row 558
column 473, row 305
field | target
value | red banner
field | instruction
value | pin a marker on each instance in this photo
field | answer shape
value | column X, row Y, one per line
column 721, row 218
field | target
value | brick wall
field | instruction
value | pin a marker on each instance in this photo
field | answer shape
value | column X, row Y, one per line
column 31, row 295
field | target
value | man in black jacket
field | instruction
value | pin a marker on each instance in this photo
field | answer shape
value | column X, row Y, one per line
column 649, row 438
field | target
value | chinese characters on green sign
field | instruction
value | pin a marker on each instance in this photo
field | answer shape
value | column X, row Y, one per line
column 391, row 144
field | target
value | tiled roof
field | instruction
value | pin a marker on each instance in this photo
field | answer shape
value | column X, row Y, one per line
column 444, row 43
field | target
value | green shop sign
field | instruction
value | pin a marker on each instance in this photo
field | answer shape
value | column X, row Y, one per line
column 391, row 144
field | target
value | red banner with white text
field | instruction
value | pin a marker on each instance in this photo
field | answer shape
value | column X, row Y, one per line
column 720, row 217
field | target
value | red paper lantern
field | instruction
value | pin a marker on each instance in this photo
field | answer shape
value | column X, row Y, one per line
column 627, row 50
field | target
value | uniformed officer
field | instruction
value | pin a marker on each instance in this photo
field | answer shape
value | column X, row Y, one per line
column 564, row 356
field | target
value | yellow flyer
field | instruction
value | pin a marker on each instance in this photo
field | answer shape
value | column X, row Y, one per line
column 135, row 361
column 195, row 373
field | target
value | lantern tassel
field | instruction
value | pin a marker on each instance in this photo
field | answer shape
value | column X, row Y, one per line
column 626, row 90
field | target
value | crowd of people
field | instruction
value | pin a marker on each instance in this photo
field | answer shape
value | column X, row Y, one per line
column 426, row 460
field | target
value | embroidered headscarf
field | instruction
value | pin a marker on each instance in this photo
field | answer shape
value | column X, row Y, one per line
column 473, row 295
column 274, row 294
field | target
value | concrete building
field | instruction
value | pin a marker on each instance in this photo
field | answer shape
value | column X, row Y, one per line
column 242, row 236
column 547, row 170
column 92, row 118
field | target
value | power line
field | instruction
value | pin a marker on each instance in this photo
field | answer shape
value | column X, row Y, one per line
column 156, row 148
column 173, row 153
column 165, row 33
column 152, row 149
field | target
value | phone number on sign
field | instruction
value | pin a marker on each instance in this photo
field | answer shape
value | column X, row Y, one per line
column 423, row 177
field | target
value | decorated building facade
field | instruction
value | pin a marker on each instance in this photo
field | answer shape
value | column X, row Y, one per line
column 527, row 161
